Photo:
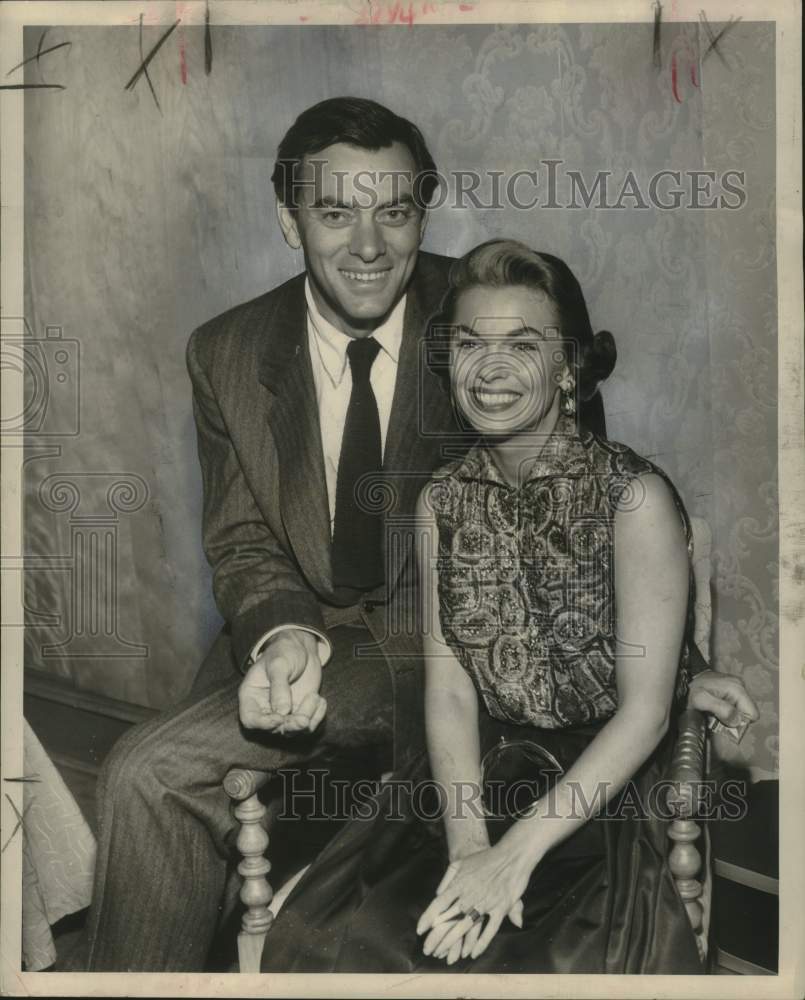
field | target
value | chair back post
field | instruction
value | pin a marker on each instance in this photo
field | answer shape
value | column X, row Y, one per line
column 688, row 761
column 686, row 776
column 242, row 786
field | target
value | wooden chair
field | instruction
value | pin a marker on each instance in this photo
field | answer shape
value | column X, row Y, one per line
column 242, row 786
column 686, row 773
column 693, row 878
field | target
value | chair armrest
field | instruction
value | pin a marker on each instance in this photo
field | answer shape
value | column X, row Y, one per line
column 686, row 775
column 688, row 763
column 242, row 786
column 241, row 782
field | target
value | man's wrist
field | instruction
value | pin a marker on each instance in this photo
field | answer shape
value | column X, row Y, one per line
column 324, row 647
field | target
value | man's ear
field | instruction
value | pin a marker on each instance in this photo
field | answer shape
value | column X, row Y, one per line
column 290, row 230
column 423, row 224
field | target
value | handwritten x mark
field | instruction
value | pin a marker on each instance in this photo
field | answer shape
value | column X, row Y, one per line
column 20, row 820
column 715, row 39
column 39, row 52
column 38, row 57
column 144, row 61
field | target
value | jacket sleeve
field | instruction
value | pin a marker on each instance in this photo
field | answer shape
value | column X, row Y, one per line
column 256, row 584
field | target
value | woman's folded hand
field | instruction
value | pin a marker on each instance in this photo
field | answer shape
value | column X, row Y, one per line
column 475, row 895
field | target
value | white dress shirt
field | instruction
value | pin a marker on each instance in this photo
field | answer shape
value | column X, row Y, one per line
column 332, row 380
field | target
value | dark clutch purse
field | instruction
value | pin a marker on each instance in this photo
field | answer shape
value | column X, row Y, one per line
column 514, row 774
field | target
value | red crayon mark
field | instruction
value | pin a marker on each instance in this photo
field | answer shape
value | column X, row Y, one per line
column 397, row 11
column 182, row 61
column 674, row 81
column 465, row 6
column 303, row 17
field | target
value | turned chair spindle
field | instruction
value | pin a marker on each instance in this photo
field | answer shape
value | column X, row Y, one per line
column 242, row 786
column 688, row 764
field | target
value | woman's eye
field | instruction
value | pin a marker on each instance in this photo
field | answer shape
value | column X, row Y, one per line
column 527, row 345
column 467, row 345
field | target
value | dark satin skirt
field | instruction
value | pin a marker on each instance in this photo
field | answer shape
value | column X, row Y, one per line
column 603, row 901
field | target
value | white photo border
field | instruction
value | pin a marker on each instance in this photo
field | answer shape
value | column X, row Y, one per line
column 790, row 982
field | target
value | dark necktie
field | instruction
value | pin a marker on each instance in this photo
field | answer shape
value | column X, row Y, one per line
column 357, row 550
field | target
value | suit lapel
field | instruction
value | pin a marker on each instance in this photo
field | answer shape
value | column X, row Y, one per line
column 285, row 370
column 419, row 422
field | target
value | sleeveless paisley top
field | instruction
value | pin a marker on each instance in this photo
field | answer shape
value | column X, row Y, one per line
column 526, row 576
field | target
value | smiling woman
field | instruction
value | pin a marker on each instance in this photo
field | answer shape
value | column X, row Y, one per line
column 505, row 376
column 515, row 322
column 556, row 626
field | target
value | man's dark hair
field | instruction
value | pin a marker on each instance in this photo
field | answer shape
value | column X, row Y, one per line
column 354, row 121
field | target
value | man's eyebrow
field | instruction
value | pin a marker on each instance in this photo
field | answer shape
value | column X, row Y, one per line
column 327, row 201
column 403, row 199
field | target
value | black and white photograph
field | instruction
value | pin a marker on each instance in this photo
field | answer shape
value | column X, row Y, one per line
column 403, row 563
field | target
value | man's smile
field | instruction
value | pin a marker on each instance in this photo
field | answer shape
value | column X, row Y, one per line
column 366, row 277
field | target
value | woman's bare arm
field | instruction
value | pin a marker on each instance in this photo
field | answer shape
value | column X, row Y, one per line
column 451, row 708
column 651, row 592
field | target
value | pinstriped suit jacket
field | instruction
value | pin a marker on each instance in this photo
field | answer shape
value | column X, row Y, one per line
column 266, row 523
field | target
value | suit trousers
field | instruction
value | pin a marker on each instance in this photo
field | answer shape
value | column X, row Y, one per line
column 166, row 829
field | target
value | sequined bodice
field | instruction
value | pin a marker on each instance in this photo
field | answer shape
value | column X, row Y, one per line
column 526, row 576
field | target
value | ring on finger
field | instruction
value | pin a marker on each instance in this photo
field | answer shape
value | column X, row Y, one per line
column 474, row 915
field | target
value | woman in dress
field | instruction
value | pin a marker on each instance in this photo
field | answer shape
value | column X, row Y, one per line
column 556, row 595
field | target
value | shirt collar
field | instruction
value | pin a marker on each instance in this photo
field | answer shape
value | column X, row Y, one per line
column 564, row 453
column 332, row 344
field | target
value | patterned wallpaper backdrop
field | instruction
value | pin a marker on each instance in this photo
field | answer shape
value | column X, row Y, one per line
column 141, row 223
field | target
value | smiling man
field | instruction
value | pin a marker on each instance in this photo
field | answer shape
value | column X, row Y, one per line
column 306, row 400
column 318, row 425
column 354, row 214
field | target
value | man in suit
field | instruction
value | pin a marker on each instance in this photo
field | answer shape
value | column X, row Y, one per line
column 318, row 424
column 307, row 666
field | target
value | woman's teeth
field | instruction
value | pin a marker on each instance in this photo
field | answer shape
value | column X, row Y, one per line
column 364, row 275
column 495, row 397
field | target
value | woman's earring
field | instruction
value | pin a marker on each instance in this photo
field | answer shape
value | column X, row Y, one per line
column 567, row 384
